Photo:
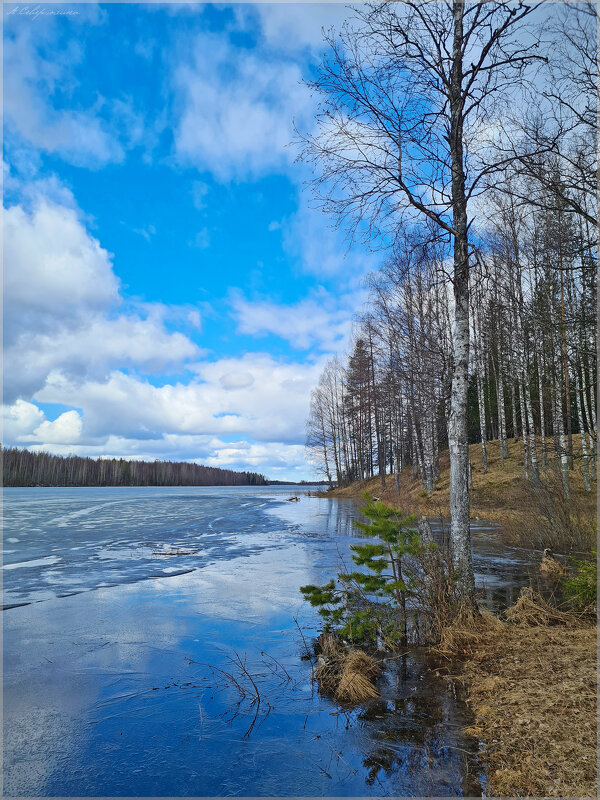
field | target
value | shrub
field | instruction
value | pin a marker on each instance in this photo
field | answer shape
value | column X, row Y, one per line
column 581, row 589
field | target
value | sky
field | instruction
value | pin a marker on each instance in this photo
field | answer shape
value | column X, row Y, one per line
column 170, row 291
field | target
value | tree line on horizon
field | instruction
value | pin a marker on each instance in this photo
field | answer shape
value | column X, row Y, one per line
column 26, row 468
column 461, row 139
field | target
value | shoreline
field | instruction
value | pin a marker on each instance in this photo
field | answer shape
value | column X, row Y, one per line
column 531, row 687
column 532, row 692
column 532, row 518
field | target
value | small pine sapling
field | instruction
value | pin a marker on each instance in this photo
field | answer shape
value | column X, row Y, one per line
column 387, row 578
column 365, row 605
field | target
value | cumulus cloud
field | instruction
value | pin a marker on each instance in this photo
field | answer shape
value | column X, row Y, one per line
column 20, row 420
column 276, row 456
column 53, row 268
column 63, row 309
column 321, row 321
column 92, row 136
column 92, row 348
column 246, row 413
column 255, row 395
column 65, row 429
column 236, row 110
column 71, row 336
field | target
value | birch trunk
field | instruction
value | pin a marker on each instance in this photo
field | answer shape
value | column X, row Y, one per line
column 587, row 416
column 501, row 410
column 584, row 453
column 514, row 408
column 560, row 432
column 458, row 444
column 542, row 410
column 480, row 396
column 524, row 430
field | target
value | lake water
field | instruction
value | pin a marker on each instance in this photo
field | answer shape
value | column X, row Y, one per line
column 125, row 607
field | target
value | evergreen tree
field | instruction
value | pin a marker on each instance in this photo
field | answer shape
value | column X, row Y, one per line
column 371, row 604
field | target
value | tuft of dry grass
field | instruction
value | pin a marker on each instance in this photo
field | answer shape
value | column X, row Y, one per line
column 468, row 634
column 531, row 609
column 531, row 684
column 345, row 674
column 356, row 682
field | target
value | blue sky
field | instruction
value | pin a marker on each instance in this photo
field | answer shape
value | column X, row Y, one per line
column 169, row 291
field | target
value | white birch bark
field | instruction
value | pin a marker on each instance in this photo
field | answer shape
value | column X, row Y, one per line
column 584, row 452
column 460, row 533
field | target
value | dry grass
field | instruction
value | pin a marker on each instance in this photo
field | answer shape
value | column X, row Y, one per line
column 356, row 682
column 532, row 689
column 466, row 635
column 550, row 566
column 345, row 674
column 540, row 519
column 531, row 610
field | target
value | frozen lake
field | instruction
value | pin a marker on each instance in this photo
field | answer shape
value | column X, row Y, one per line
column 120, row 604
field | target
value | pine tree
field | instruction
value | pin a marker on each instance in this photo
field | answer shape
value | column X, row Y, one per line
column 365, row 605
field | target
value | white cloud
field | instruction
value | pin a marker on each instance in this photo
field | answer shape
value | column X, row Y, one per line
column 236, row 380
column 275, row 455
column 92, row 347
column 90, row 137
column 20, row 420
column 323, row 321
column 208, row 420
column 71, row 336
column 291, row 26
column 195, row 319
column 53, row 267
column 65, row 429
column 237, row 109
column 255, row 395
column 63, row 309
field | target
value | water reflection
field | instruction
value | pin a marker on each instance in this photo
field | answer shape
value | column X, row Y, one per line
column 107, row 693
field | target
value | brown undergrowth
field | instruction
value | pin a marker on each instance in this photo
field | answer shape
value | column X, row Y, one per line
column 530, row 518
column 531, row 684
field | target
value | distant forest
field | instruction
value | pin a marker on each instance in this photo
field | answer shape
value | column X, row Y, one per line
column 24, row 468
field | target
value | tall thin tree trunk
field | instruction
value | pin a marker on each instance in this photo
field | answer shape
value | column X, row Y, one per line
column 480, row 396
column 514, row 408
column 584, row 453
column 590, row 423
column 542, row 410
column 560, row 433
column 563, row 326
column 501, row 409
column 458, row 442
column 594, row 419
column 524, row 429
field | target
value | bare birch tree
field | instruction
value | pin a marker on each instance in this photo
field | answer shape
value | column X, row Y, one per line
column 408, row 91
